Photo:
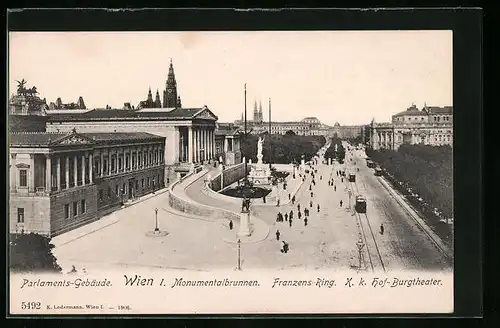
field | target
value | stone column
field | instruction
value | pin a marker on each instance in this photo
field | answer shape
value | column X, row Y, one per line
column 13, row 172
column 48, row 173
column 102, row 163
column 226, row 144
column 67, row 171
column 213, row 142
column 190, row 144
column 75, row 170
column 31, row 174
column 205, row 144
column 83, row 170
column 91, row 168
column 109, row 161
column 58, row 177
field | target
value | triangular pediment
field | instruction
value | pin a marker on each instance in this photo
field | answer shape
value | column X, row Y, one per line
column 22, row 166
column 205, row 114
column 73, row 139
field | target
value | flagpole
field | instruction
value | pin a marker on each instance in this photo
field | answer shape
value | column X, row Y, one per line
column 270, row 143
column 245, row 129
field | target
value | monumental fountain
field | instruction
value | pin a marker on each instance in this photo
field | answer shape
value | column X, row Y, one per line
column 260, row 173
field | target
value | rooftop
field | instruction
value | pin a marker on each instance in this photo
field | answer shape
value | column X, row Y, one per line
column 48, row 139
column 120, row 114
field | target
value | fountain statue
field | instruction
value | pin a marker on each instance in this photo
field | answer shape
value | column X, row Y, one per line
column 260, row 174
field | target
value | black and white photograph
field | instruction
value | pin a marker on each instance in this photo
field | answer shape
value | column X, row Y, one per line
column 143, row 164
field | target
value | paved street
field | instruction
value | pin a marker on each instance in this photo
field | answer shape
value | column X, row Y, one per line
column 404, row 245
column 328, row 241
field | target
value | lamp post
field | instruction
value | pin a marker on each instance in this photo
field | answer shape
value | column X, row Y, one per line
column 270, row 141
column 360, row 245
column 156, row 220
column 239, row 255
column 350, row 193
column 245, row 123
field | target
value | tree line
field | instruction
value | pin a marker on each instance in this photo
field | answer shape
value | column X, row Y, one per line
column 339, row 154
column 426, row 170
column 31, row 253
column 285, row 148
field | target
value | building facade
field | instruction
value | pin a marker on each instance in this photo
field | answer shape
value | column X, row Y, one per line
column 171, row 98
column 429, row 126
column 309, row 126
column 80, row 104
column 59, row 181
column 227, row 144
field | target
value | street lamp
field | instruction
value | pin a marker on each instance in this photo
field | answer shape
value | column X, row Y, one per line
column 239, row 255
column 156, row 220
column 350, row 193
column 360, row 245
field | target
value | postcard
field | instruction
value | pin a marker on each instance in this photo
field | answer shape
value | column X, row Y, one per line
column 235, row 172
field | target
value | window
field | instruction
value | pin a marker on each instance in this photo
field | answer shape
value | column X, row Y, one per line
column 109, row 191
column 100, row 194
column 149, row 182
column 113, row 161
column 127, row 162
column 20, row 215
column 142, row 183
column 66, row 211
column 117, row 192
column 75, row 208
column 105, row 167
column 83, row 206
column 136, row 184
column 23, row 178
column 154, row 181
column 124, row 189
column 120, row 163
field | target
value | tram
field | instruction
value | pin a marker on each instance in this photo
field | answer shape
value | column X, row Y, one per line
column 352, row 177
column 370, row 163
column 378, row 171
column 360, row 205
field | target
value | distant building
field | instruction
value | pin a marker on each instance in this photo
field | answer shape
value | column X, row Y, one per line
column 59, row 181
column 346, row 131
column 308, row 126
column 227, row 143
column 429, row 126
column 80, row 104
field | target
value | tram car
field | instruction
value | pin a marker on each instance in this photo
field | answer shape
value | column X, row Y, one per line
column 360, row 205
column 352, row 177
column 370, row 163
column 378, row 171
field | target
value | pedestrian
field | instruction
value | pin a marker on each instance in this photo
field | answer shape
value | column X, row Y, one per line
column 310, row 203
column 298, row 207
column 293, row 199
column 286, row 216
column 318, row 208
column 290, row 216
column 277, row 235
column 334, row 188
column 299, row 215
column 290, row 222
column 329, row 182
column 312, row 194
column 285, row 248
column 321, row 177
column 306, row 212
column 310, row 187
column 264, row 199
column 289, row 196
column 278, row 217
column 342, row 180
column 305, row 222
column 340, row 203
column 231, row 225
column 382, row 229
column 278, row 203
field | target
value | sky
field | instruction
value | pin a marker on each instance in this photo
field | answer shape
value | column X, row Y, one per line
column 348, row 77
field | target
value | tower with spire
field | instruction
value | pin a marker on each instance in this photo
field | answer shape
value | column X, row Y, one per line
column 157, row 103
column 170, row 98
column 261, row 118
column 255, row 112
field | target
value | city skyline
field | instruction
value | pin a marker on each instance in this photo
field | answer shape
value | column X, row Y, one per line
column 331, row 75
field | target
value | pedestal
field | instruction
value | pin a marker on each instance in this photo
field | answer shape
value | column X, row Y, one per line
column 244, row 224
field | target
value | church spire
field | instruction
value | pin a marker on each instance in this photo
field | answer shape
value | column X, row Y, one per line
column 157, row 100
column 170, row 94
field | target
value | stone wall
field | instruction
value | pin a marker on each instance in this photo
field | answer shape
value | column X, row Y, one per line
column 27, row 123
column 58, row 222
column 36, row 214
column 190, row 207
column 230, row 176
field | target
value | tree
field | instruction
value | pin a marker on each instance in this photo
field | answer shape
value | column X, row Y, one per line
column 32, row 253
column 289, row 133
